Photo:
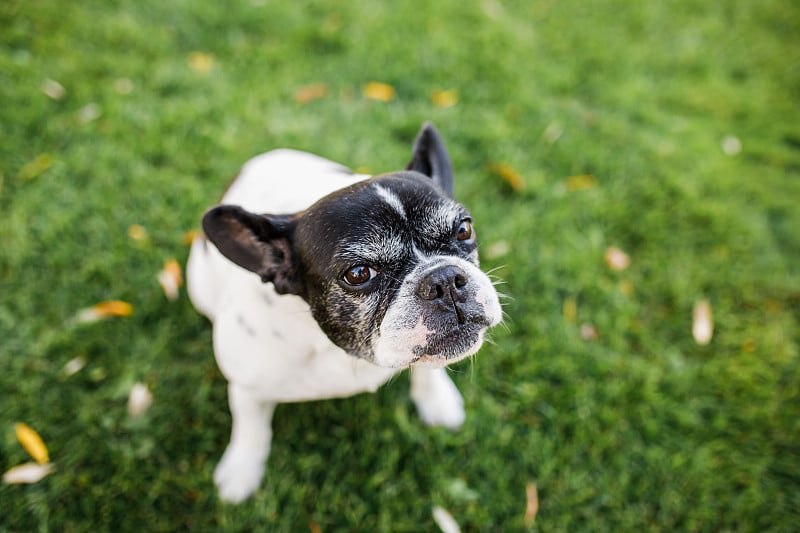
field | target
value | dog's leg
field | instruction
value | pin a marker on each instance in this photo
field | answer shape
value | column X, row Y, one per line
column 241, row 468
column 437, row 399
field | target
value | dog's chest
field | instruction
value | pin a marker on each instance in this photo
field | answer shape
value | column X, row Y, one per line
column 272, row 345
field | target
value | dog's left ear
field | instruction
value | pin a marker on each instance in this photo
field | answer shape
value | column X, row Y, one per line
column 430, row 158
column 259, row 243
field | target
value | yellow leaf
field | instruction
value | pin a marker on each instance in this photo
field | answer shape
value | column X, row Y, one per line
column 447, row 98
column 201, row 62
column 171, row 279
column 137, row 232
column 532, row 504
column 702, row 322
column 509, row 174
column 190, row 236
column 311, row 92
column 382, row 92
column 569, row 310
column 106, row 309
column 27, row 473
column 581, row 182
column 32, row 442
column 36, row 166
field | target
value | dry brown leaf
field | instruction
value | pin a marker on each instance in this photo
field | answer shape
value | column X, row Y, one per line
column 532, row 504
column 314, row 527
column 382, row 92
column 509, row 175
column 32, row 442
column 311, row 92
column 170, row 278
column 139, row 399
column 616, row 259
column 702, row 322
column 581, row 182
column 35, row 167
column 445, row 521
column 200, row 62
column 106, row 309
column 446, row 98
column 27, row 473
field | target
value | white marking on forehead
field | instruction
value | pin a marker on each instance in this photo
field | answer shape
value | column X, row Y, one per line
column 391, row 198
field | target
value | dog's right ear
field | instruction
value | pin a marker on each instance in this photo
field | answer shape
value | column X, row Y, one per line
column 430, row 158
column 258, row 243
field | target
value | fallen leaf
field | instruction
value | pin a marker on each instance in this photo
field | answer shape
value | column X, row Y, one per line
column 200, row 62
column 311, row 92
column 509, row 174
column 382, row 92
column 106, row 309
column 446, row 98
column 616, row 259
column 137, row 232
column 589, row 332
column 123, row 86
column 553, row 132
column 314, row 527
column 32, row 442
column 569, row 310
column 139, row 399
column 36, row 166
column 496, row 250
column 171, row 279
column 445, row 521
column 89, row 113
column 27, row 473
column 731, row 145
column 73, row 366
column 53, row 89
column 702, row 322
column 581, row 182
column 532, row 504
column 189, row 237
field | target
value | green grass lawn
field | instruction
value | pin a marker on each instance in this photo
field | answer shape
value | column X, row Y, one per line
column 670, row 130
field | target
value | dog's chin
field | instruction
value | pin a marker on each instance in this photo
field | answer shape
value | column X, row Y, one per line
column 444, row 349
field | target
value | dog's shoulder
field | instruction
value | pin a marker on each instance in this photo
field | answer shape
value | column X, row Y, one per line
column 287, row 181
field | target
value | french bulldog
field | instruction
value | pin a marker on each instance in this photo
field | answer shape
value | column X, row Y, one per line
column 322, row 283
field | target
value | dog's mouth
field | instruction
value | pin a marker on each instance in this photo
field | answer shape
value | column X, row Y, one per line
column 444, row 348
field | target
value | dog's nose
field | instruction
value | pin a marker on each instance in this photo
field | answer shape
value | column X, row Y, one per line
column 445, row 286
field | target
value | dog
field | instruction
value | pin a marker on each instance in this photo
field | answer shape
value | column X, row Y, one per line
column 322, row 283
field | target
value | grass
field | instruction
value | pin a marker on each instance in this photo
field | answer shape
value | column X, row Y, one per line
column 638, row 429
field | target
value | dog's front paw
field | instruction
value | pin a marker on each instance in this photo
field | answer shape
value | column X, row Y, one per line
column 238, row 475
column 437, row 399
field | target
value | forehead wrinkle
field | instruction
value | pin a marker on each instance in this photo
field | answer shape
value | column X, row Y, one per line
column 373, row 247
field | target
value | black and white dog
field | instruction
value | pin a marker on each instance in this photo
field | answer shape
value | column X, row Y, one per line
column 344, row 282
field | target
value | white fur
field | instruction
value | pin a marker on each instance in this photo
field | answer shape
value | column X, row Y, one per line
column 268, row 346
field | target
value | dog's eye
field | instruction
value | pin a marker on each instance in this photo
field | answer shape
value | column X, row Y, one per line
column 359, row 275
column 465, row 231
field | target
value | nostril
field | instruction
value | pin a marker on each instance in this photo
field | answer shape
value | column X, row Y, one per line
column 460, row 280
column 445, row 282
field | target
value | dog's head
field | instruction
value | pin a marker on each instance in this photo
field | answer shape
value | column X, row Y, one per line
column 388, row 266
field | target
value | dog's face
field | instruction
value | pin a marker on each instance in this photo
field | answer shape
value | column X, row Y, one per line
column 388, row 266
